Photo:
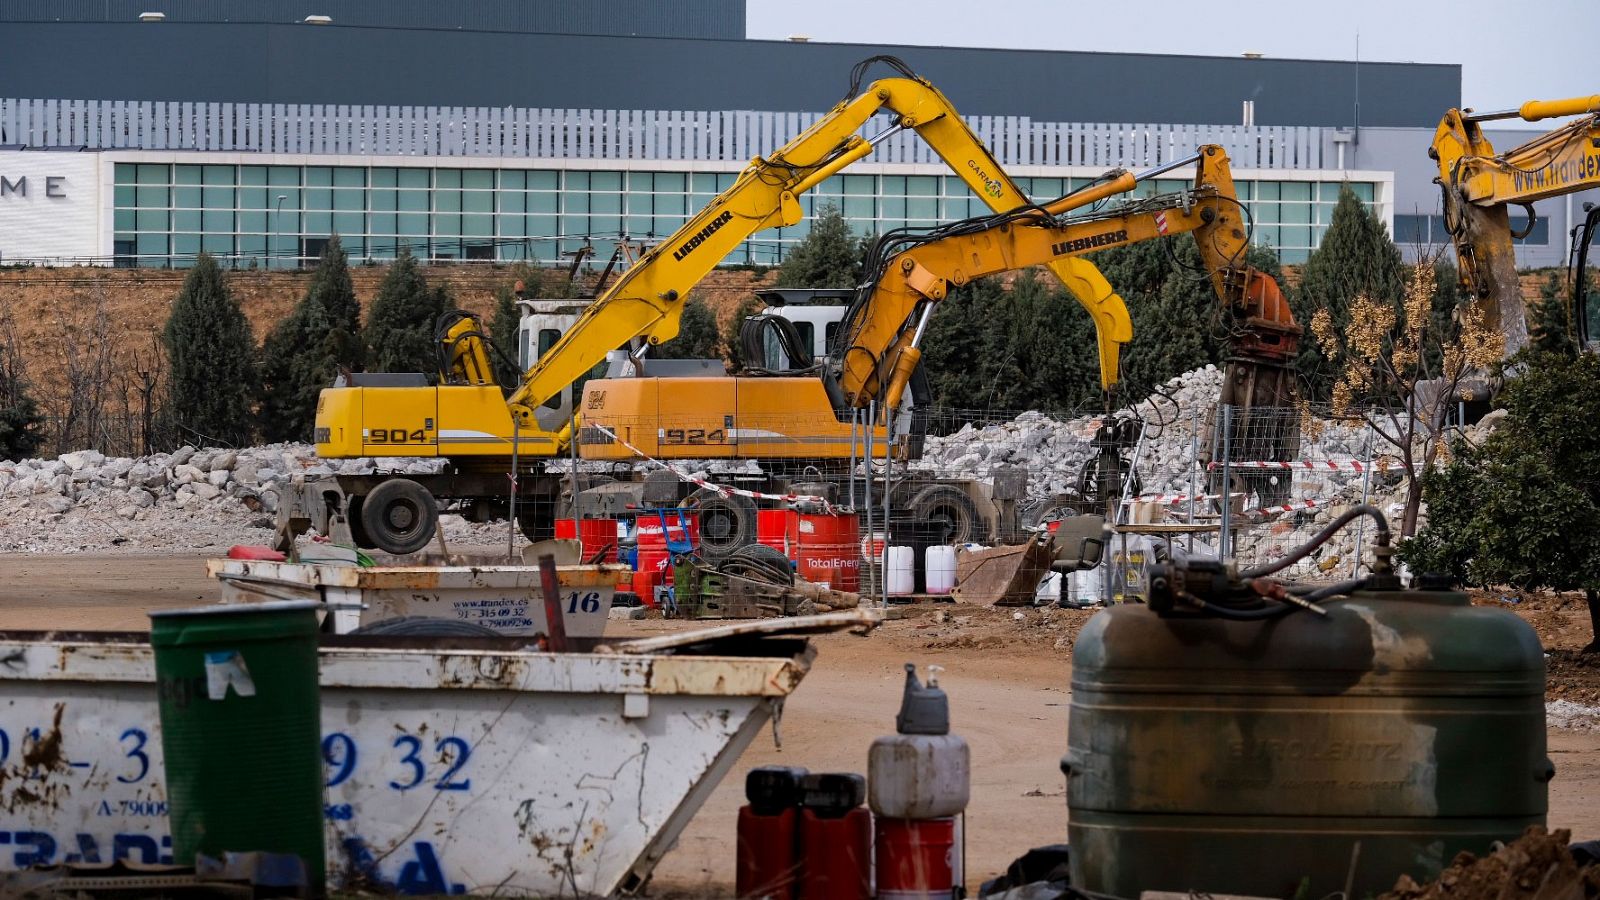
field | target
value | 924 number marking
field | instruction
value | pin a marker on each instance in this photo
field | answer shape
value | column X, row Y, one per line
column 693, row 436
column 396, row 436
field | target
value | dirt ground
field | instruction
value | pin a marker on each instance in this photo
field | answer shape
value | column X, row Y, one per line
column 1007, row 679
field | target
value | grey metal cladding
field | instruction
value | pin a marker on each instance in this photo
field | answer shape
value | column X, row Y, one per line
column 723, row 19
column 333, row 64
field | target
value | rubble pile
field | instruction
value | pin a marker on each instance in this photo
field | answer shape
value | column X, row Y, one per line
column 186, row 500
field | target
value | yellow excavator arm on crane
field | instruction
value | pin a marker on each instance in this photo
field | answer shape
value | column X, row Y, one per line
column 879, row 350
column 647, row 301
column 1479, row 186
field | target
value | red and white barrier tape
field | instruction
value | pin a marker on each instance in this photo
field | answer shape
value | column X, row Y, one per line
column 1172, row 499
column 1320, row 465
column 721, row 489
column 1262, row 512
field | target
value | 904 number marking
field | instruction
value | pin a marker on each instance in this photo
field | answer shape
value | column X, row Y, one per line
column 396, row 436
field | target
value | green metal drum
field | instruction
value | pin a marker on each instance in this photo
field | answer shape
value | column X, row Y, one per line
column 240, row 729
column 1245, row 757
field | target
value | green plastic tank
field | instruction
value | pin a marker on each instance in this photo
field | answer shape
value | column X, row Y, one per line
column 1250, row 757
column 240, row 730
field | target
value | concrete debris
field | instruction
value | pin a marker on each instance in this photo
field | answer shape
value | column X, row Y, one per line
column 192, row 499
column 1569, row 716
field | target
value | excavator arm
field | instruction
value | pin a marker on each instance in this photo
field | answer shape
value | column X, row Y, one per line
column 1479, row 186
column 880, row 347
column 647, row 301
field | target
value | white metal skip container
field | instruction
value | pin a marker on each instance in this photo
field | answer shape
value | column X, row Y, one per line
column 448, row 770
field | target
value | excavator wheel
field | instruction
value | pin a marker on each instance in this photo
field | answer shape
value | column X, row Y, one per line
column 400, row 516
column 726, row 523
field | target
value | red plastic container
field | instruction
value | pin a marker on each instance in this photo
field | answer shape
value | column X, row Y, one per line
column 654, row 564
column 595, row 535
column 917, row 858
column 827, row 549
column 766, row 860
column 836, row 855
column 772, row 529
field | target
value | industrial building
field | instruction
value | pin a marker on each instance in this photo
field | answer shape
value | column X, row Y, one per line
column 501, row 130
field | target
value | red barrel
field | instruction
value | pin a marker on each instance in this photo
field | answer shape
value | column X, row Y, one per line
column 765, row 863
column 826, row 549
column 772, row 529
column 917, row 858
column 837, row 856
column 654, row 564
column 595, row 535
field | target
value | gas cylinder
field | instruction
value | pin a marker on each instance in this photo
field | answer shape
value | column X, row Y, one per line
column 835, row 838
column 766, row 856
column 918, row 783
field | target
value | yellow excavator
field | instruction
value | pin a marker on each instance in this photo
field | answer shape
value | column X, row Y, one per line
column 877, row 350
column 469, row 421
column 1479, row 186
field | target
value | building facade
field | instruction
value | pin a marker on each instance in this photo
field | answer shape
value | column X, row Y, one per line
column 128, row 163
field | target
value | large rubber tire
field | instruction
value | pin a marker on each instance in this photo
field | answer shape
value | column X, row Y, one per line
column 726, row 523
column 358, row 531
column 400, row 516
column 947, row 514
column 760, row 563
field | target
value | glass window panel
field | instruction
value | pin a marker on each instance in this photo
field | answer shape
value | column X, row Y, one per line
column 217, row 197
column 1264, row 213
column 478, row 179
column 124, row 220
column 725, row 181
column 217, row 244
column 349, row 200
column 254, row 220
column 577, row 181
column 355, row 246
column 605, row 225
column 477, row 201
column 447, row 178
column 319, row 223
column 513, row 201
column 413, row 178
column 605, row 203
column 605, row 181
column 319, row 176
column 383, row 176
column 382, row 248
column 186, row 220
column 477, row 225
column 669, row 182
column 1295, row 190
column 349, row 223
column 413, row 201
column 860, row 185
column 954, row 208
column 1046, row 189
column 447, row 224
column 893, row 206
column 185, row 244
column 1364, row 191
column 124, row 173
column 1267, row 190
column 251, row 244
column 1328, row 192
column 703, row 182
column 640, row 182
column 153, row 196
column 253, row 198
column 858, row 207
column 922, row 208
column 447, row 201
column 894, row 184
column 1411, row 229
column 125, row 195
column 255, row 175
column 419, row 247
column 1296, row 213
column 639, row 203
column 146, row 244
column 152, row 220
column 513, row 226
column 543, row 180
column 284, row 197
column 641, row 226
column 922, row 186
column 383, row 223
column 675, row 205
column 186, row 197
column 666, row 225
column 412, row 223
column 513, row 179
column 543, row 203
column 319, row 198
column 383, row 201
column 1324, row 213
column 1297, row 236
column 349, row 176
column 1268, row 236
column 216, row 221
column 542, row 225
column 153, row 173
column 217, row 175
column 283, row 176
column 185, row 174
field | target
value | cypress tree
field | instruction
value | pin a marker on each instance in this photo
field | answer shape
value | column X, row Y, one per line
column 1550, row 321
column 399, row 336
column 506, row 319
column 20, row 419
column 1356, row 257
column 212, row 357
column 697, row 334
column 828, row 257
column 305, row 351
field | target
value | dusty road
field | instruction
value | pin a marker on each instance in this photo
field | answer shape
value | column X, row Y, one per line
column 1007, row 681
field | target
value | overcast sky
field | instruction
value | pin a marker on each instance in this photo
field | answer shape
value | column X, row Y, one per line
column 1509, row 51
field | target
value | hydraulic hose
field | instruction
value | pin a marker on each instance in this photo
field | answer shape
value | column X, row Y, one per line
column 1322, row 537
